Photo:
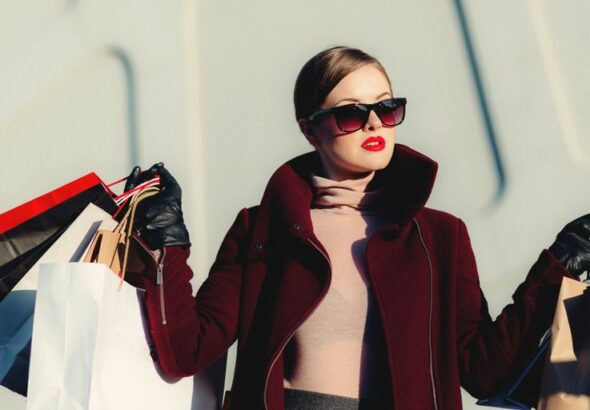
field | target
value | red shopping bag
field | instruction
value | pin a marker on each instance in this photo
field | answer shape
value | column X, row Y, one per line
column 28, row 230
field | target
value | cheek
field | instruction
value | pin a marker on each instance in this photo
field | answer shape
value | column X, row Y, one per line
column 327, row 128
column 347, row 146
column 337, row 149
column 390, row 135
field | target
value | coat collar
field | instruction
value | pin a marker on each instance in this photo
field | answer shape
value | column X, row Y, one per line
column 288, row 195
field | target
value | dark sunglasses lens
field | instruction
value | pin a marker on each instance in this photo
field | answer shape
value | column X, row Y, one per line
column 390, row 113
column 350, row 118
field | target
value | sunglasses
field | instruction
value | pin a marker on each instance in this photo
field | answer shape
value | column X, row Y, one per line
column 353, row 117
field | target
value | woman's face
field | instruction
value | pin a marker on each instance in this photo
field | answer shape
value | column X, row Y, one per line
column 347, row 155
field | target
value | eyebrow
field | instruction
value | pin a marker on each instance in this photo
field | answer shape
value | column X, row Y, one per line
column 354, row 100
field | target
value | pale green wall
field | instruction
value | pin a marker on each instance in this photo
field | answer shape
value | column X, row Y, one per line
column 206, row 86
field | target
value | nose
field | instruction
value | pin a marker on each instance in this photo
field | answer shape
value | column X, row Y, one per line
column 373, row 123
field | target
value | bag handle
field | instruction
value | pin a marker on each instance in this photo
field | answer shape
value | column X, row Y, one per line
column 126, row 224
column 121, row 199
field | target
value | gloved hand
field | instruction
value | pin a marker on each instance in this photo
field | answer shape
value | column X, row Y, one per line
column 572, row 245
column 160, row 217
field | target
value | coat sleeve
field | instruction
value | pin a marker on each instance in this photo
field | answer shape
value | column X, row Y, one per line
column 190, row 333
column 489, row 351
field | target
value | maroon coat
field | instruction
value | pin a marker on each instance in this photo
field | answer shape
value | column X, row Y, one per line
column 271, row 272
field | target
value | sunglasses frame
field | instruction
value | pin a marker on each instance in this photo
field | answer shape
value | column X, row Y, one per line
column 400, row 102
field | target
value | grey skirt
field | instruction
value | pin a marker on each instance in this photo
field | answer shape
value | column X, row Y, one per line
column 308, row 400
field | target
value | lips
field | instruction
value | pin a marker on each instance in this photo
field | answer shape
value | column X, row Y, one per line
column 373, row 143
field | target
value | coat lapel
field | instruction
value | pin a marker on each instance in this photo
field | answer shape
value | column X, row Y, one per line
column 287, row 199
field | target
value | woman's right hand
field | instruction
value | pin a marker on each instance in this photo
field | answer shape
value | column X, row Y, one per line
column 160, row 217
column 572, row 245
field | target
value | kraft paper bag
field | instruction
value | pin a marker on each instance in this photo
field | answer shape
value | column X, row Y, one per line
column 91, row 347
column 119, row 249
column 108, row 248
column 566, row 377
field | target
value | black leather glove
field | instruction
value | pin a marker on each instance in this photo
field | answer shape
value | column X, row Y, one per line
column 160, row 217
column 572, row 245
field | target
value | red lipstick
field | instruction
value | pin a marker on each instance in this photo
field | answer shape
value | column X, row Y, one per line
column 374, row 143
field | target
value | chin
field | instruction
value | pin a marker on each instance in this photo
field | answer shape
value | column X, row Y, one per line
column 380, row 162
column 381, row 166
column 373, row 166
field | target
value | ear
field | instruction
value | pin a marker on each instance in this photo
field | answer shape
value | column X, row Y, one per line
column 307, row 129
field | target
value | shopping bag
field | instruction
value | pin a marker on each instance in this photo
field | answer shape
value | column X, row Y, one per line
column 16, row 310
column 28, row 230
column 566, row 377
column 16, row 318
column 521, row 392
column 119, row 249
column 73, row 243
column 91, row 347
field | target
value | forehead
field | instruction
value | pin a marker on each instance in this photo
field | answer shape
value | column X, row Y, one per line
column 366, row 84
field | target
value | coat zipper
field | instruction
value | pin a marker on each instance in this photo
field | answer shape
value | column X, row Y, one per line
column 434, row 398
column 159, row 275
column 292, row 332
column 160, row 283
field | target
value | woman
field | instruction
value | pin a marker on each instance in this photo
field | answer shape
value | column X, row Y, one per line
column 342, row 289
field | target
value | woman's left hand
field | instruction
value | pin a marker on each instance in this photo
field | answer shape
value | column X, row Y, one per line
column 572, row 245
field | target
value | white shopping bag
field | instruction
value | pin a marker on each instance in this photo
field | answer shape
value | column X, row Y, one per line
column 16, row 310
column 90, row 346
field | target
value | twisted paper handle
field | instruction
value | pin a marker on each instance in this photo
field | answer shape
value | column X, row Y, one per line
column 127, row 224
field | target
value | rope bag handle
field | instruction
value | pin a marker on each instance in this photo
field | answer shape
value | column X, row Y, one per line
column 126, row 224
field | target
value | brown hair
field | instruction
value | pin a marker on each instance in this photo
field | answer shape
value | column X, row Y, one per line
column 321, row 74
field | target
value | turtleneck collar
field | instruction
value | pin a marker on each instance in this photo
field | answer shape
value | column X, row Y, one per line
column 288, row 196
column 350, row 196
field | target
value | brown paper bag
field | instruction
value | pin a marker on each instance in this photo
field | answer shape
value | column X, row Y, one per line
column 119, row 250
column 108, row 248
column 566, row 378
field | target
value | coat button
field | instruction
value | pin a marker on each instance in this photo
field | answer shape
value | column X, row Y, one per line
column 297, row 227
column 258, row 246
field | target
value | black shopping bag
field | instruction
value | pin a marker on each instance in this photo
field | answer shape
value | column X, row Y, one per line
column 522, row 392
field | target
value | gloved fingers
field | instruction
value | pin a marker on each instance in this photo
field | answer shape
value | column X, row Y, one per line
column 160, row 216
column 157, row 211
column 574, row 237
column 133, row 178
column 575, row 243
column 143, row 207
column 168, row 182
column 155, row 169
column 573, row 251
column 137, row 177
column 580, row 225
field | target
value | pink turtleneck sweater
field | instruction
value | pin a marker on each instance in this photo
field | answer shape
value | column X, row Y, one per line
column 339, row 349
